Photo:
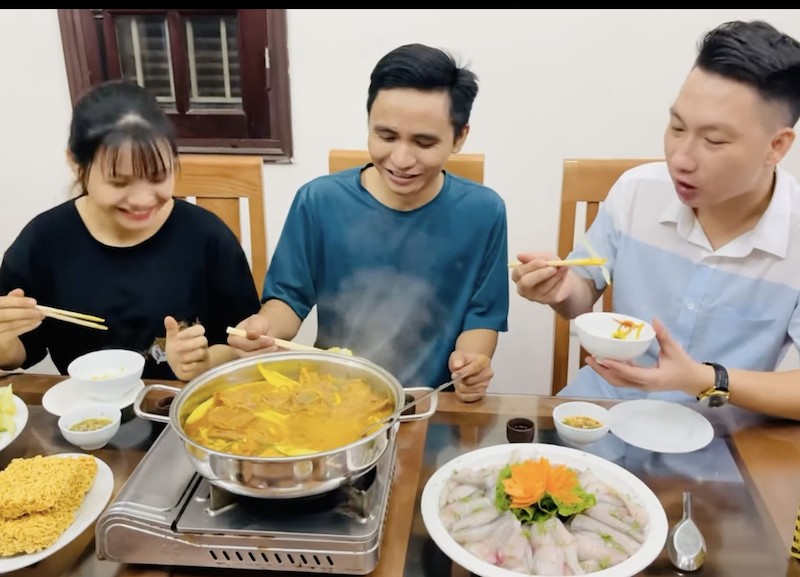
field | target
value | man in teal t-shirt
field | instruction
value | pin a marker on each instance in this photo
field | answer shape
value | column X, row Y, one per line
column 406, row 263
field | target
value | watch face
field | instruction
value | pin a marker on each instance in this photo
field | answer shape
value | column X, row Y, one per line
column 717, row 399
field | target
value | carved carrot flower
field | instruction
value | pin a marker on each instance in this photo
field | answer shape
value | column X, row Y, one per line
column 535, row 490
column 562, row 485
column 527, row 482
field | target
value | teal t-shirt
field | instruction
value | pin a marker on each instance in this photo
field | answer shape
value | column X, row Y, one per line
column 395, row 287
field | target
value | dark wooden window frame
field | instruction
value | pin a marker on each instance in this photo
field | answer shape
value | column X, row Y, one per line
column 268, row 114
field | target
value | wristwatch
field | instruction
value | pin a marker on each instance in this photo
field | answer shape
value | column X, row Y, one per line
column 719, row 394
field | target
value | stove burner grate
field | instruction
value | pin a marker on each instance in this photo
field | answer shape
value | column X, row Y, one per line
column 351, row 500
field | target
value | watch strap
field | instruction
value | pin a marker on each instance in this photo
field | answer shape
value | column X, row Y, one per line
column 720, row 376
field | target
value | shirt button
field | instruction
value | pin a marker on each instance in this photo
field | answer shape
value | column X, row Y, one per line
column 690, row 306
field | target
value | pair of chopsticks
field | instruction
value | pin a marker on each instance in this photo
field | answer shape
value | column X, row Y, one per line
column 571, row 262
column 289, row 345
column 82, row 319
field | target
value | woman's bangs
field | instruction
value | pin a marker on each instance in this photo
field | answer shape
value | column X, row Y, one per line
column 135, row 157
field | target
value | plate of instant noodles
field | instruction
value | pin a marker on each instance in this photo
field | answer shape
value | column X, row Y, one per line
column 46, row 502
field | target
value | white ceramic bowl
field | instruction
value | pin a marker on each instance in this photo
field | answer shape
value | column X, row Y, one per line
column 108, row 374
column 577, row 435
column 595, row 332
column 90, row 440
column 621, row 480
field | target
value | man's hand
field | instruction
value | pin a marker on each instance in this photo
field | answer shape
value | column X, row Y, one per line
column 256, row 342
column 538, row 282
column 472, row 372
column 675, row 371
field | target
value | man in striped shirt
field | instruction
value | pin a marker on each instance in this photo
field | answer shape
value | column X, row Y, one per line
column 706, row 244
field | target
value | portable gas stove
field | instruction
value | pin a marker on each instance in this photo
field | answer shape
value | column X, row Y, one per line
column 167, row 514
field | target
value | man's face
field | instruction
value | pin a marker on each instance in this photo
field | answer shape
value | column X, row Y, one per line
column 410, row 139
column 720, row 141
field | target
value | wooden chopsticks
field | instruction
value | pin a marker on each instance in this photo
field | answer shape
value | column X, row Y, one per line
column 289, row 345
column 570, row 262
column 578, row 262
column 81, row 319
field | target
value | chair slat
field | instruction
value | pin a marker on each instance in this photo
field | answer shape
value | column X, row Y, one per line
column 585, row 181
column 220, row 183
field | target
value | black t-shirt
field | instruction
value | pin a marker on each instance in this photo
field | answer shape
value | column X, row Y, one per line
column 193, row 268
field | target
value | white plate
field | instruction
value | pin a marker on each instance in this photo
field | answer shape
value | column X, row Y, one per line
column 660, row 426
column 66, row 396
column 612, row 474
column 93, row 504
column 20, row 420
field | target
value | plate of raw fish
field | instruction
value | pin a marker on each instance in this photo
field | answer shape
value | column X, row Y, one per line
column 537, row 509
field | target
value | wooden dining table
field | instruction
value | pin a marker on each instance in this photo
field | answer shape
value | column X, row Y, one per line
column 745, row 484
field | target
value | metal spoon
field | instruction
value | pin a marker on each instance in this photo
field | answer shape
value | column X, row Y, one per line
column 392, row 417
column 685, row 543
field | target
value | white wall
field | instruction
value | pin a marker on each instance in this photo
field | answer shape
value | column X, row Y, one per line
column 34, row 116
column 554, row 84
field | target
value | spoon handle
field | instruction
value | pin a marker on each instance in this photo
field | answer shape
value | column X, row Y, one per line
column 410, row 404
column 687, row 505
column 391, row 418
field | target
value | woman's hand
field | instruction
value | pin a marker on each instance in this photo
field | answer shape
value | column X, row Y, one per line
column 187, row 349
column 18, row 315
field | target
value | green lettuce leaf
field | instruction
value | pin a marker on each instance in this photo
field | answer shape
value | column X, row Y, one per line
column 545, row 508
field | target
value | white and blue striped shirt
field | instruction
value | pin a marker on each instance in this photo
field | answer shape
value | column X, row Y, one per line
column 737, row 305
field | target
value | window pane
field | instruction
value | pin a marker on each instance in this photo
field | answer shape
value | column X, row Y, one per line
column 144, row 55
column 213, row 54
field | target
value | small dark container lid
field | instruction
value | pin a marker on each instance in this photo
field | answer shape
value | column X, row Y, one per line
column 520, row 430
column 162, row 405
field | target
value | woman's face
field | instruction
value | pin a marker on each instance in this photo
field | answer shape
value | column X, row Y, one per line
column 132, row 185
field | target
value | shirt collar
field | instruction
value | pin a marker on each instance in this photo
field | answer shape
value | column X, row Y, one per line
column 678, row 213
column 771, row 233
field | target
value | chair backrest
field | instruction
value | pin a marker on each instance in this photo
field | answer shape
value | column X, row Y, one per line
column 221, row 183
column 465, row 164
column 585, row 181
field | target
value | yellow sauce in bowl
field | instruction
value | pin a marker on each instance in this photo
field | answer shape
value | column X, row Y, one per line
column 91, row 424
column 581, row 422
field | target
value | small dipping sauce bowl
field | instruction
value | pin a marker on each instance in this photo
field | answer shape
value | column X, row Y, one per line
column 520, row 430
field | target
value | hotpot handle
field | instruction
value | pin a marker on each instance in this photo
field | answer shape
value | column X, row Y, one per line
column 434, row 400
column 137, row 404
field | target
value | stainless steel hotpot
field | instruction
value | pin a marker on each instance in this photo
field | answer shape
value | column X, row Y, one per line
column 283, row 477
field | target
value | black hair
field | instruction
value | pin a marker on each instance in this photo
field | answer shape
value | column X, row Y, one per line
column 759, row 55
column 116, row 114
column 424, row 68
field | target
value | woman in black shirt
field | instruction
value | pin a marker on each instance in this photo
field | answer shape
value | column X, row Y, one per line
column 124, row 250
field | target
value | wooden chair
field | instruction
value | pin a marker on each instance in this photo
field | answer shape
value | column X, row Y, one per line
column 465, row 164
column 220, row 183
column 585, row 181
